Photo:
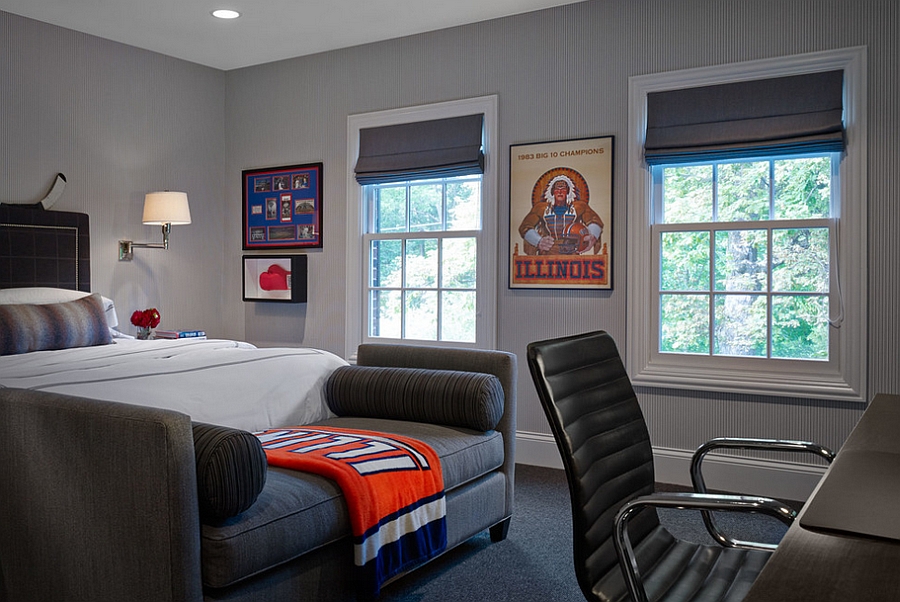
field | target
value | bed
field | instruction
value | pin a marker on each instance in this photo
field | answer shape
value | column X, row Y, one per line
column 216, row 381
column 133, row 470
column 62, row 347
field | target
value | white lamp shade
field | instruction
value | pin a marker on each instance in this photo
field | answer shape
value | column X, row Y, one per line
column 166, row 208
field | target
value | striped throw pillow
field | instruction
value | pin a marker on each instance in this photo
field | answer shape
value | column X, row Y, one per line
column 26, row 327
column 231, row 470
column 471, row 400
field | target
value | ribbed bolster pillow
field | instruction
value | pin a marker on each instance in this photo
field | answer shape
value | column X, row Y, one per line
column 231, row 469
column 452, row 398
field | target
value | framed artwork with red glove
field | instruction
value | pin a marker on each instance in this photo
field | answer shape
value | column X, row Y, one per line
column 275, row 278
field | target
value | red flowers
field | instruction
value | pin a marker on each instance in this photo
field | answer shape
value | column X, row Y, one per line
column 149, row 318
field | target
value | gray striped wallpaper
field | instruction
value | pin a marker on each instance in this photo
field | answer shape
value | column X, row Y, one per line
column 559, row 73
column 563, row 73
column 119, row 122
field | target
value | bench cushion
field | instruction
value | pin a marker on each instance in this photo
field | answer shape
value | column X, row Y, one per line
column 298, row 512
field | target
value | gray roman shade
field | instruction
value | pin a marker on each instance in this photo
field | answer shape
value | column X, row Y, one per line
column 797, row 113
column 424, row 149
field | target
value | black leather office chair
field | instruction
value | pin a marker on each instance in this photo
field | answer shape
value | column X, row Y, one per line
column 621, row 550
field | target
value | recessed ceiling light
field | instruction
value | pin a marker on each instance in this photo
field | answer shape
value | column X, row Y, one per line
column 226, row 14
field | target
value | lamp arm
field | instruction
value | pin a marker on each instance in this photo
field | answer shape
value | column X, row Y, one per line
column 126, row 246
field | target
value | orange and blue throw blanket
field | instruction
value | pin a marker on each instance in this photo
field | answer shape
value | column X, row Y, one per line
column 393, row 487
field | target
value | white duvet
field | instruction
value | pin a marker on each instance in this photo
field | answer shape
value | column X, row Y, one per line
column 216, row 381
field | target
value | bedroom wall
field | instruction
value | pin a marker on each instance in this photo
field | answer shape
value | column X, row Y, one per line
column 563, row 73
column 119, row 122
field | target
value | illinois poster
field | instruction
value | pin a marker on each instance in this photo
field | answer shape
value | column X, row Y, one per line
column 560, row 206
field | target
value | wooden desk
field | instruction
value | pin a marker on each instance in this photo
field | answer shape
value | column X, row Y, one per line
column 817, row 565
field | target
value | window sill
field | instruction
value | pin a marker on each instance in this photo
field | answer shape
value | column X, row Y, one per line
column 748, row 382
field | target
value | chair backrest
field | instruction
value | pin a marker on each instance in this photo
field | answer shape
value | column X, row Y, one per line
column 605, row 448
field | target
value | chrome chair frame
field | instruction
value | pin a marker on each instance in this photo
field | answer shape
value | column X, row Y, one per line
column 699, row 485
column 684, row 501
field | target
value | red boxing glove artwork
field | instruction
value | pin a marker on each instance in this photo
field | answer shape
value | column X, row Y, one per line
column 275, row 278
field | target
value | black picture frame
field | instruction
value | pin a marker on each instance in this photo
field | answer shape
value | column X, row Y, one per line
column 282, row 207
column 274, row 278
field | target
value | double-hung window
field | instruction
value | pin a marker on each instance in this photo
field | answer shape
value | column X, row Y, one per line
column 422, row 246
column 422, row 195
column 744, row 252
column 747, row 228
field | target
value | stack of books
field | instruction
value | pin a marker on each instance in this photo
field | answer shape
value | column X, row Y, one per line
column 180, row 334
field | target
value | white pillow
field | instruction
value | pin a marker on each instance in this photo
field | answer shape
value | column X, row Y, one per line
column 42, row 295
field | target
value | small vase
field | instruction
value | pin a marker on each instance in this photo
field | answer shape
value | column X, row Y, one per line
column 143, row 334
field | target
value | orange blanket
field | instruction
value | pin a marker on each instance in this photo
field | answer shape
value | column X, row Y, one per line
column 393, row 487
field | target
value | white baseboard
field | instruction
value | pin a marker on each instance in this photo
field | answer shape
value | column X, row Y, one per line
column 780, row 480
column 537, row 449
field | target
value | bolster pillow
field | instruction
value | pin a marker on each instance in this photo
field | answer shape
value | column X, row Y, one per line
column 231, row 469
column 449, row 397
column 28, row 327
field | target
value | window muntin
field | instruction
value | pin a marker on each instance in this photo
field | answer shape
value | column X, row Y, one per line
column 422, row 242
column 744, row 252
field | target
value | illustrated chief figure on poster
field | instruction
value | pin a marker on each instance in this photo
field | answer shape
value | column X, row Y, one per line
column 561, row 221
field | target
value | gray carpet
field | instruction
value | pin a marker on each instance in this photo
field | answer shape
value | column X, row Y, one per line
column 535, row 561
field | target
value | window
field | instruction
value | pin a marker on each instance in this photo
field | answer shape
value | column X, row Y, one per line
column 744, row 257
column 747, row 266
column 422, row 241
column 420, row 266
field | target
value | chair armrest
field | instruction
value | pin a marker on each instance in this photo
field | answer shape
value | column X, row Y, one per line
column 685, row 501
column 699, row 484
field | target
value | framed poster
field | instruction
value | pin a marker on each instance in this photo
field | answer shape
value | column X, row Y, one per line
column 560, row 214
column 275, row 278
column 283, row 207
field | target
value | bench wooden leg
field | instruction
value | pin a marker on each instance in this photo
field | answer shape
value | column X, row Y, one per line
column 499, row 531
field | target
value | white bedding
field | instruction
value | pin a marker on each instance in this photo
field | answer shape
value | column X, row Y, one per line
column 216, row 381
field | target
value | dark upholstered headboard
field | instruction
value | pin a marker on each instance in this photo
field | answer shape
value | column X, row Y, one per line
column 44, row 248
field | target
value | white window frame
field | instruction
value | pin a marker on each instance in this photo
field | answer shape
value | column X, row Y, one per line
column 844, row 375
column 486, row 303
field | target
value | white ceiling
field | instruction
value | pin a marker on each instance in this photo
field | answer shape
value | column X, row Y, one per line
column 268, row 30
